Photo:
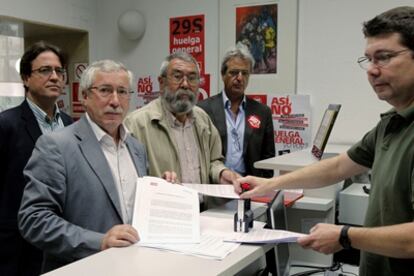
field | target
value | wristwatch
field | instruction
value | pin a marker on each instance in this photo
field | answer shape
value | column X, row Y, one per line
column 344, row 239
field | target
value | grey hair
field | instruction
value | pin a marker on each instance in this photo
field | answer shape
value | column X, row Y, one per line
column 239, row 51
column 106, row 66
column 177, row 55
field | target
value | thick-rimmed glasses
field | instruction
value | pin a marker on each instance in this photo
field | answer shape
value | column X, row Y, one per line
column 46, row 71
column 177, row 77
column 236, row 139
column 236, row 72
column 106, row 90
column 380, row 59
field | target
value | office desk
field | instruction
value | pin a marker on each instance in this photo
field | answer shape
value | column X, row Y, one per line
column 134, row 260
column 353, row 204
column 298, row 159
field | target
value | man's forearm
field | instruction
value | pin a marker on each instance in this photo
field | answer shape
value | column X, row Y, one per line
column 320, row 174
column 393, row 241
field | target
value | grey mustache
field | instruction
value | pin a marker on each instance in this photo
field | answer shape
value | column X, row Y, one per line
column 111, row 110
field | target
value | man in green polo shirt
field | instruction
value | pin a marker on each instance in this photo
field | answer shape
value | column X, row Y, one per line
column 387, row 239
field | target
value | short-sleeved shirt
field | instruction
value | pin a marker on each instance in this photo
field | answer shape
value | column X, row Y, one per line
column 388, row 150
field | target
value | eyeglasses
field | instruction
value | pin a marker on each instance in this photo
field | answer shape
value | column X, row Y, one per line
column 177, row 77
column 380, row 59
column 236, row 139
column 46, row 71
column 106, row 90
column 235, row 73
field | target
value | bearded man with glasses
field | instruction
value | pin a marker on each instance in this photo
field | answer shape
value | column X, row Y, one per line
column 42, row 70
column 178, row 135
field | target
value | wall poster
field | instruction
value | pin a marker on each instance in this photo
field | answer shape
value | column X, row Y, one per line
column 269, row 29
column 256, row 28
column 148, row 89
column 187, row 35
column 291, row 122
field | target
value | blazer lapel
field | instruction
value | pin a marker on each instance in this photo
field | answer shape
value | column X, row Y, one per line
column 92, row 152
column 66, row 119
column 247, row 129
column 220, row 119
column 137, row 157
column 30, row 121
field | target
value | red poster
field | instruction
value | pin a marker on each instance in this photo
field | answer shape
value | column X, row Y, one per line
column 187, row 35
column 77, row 106
column 204, row 90
column 261, row 98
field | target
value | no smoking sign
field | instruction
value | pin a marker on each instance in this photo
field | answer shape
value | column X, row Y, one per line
column 79, row 68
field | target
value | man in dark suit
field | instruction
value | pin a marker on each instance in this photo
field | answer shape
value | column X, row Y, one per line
column 42, row 70
column 245, row 125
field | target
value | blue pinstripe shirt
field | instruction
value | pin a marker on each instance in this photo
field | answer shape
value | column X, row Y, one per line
column 45, row 123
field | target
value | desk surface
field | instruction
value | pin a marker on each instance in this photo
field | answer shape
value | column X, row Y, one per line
column 298, row 159
column 134, row 260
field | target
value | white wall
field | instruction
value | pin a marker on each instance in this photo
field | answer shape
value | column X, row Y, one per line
column 145, row 57
column 329, row 42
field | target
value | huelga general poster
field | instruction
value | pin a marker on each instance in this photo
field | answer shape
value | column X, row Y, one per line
column 187, row 35
column 291, row 121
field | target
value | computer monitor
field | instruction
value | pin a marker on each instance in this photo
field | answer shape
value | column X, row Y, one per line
column 278, row 258
column 324, row 130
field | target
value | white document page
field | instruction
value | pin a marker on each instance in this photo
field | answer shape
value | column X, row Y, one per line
column 165, row 212
column 227, row 191
column 212, row 246
column 264, row 236
column 215, row 190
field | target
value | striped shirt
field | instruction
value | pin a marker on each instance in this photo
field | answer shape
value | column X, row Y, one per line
column 45, row 123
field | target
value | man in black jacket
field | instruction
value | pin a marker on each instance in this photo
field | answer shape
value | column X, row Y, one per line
column 245, row 125
column 42, row 69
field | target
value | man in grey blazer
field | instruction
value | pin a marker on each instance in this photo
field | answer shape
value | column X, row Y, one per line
column 81, row 181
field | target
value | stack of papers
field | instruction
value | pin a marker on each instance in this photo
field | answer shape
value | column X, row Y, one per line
column 264, row 236
column 166, row 213
column 167, row 217
column 211, row 246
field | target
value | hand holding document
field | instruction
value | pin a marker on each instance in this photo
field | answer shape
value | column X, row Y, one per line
column 166, row 213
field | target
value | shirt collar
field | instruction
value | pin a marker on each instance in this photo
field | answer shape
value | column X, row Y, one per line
column 100, row 133
column 41, row 115
column 407, row 114
column 226, row 101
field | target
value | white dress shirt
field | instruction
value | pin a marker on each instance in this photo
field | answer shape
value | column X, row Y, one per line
column 122, row 167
